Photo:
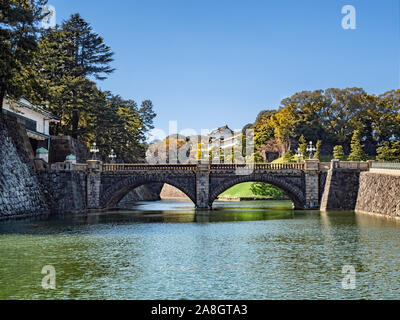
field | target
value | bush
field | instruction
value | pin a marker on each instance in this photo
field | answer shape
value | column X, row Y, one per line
column 338, row 153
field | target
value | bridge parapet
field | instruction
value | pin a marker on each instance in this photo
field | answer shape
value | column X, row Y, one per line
column 215, row 168
column 357, row 165
column 257, row 167
column 150, row 167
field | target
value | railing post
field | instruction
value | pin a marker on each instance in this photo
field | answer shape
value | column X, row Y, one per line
column 335, row 164
column 370, row 164
column 93, row 184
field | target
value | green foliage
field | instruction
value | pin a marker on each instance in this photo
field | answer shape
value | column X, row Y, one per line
column 266, row 191
column 338, row 153
column 289, row 157
column 18, row 38
column 357, row 152
column 117, row 125
column 303, row 146
column 317, row 154
column 59, row 75
column 255, row 158
column 390, row 151
column 332, row 115
column 254, row 190
column 262, row 134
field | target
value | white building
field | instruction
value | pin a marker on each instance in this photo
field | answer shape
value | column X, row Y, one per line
column 36, row 120
column 223, row 143
column 224, row 138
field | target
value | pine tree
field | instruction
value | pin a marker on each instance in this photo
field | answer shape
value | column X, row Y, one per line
column 146, row 113
column 338, row 153
column 91, row 58
column 390, row 151
column 318, row 150
column 357, row 152
column 303, row 146
column 18, row 38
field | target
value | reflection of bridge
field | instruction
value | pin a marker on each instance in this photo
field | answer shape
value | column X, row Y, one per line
column 107, row 184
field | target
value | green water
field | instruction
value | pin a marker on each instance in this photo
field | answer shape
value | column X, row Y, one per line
column 242, row 250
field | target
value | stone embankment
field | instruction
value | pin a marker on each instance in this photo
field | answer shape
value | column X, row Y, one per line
column 379, row 193
column 64, row 191
column 20, row 192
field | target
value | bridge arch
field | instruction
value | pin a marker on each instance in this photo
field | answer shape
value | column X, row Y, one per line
column 120, row 187
column 295, row 193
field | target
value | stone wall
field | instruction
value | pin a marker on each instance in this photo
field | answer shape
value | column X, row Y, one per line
column 149, row 192
column 64, row 191
column 20, row 193
column 170, row 192
column 379, row 194
column 341, row 189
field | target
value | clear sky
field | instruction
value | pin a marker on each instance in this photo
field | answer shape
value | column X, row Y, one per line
column 214, row 62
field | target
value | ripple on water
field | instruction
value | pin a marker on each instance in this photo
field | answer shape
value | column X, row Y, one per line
column 245, row 250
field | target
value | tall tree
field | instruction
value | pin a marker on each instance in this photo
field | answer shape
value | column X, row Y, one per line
column 147, row 115
column 18, row 38
column 317, row 153
column 92, row 58
column 284, row 124
column 303, row 146
column 357, row 152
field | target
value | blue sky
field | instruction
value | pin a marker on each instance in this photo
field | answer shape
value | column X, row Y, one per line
column 214, row 62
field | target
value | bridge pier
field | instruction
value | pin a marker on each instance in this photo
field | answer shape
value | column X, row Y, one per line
column 94, row 184
column 312, row 183
column 203, row 186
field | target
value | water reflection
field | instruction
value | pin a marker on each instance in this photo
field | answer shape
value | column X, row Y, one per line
column 164, row 250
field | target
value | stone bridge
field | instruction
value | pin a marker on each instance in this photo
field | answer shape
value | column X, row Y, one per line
column 337, row 185
column 107, row 184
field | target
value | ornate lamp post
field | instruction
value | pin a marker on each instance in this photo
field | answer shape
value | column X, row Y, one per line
column 112, row 156
column 299, row 155
column 311, row 149
column 93, row 150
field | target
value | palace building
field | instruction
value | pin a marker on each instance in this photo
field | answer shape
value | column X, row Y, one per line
column 36, row 120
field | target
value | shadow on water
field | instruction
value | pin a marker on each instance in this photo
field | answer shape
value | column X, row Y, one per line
column 173, row 211
column 157, row 212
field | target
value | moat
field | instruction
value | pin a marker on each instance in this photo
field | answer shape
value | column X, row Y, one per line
column 241, row 250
